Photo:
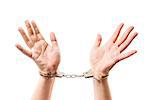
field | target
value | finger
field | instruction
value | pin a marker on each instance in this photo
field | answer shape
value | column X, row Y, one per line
column 37, row 32
column 29, row 28
column 126, row 55
column 30, row 31
column 116, row 33
column 25, row 38
column 127, row 42
column 98, row 40
column 125, row 36
column 24, row 51
column 53, row 39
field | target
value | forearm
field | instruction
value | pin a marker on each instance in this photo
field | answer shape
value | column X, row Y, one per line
column 101, row 90
column 44, row 89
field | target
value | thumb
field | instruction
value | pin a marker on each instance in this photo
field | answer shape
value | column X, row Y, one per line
column 98, row 40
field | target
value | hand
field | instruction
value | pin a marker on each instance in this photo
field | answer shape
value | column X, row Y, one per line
column 45, row 56
column 103, row 58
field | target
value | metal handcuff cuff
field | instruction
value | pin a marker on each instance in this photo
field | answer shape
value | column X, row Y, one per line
column 87, row 74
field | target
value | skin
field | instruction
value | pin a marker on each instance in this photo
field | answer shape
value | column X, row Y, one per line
column 47, row 57
column 103, row 58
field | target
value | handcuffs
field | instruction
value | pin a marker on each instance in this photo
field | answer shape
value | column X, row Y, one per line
column 87, row 74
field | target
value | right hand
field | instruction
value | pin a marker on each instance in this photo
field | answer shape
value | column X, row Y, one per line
column 45, row 56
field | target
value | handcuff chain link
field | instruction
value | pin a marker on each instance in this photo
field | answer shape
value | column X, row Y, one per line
column 87, row 74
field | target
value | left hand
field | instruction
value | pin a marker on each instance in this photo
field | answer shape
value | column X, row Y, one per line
column 103, row 58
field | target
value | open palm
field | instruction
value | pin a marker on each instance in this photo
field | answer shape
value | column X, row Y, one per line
column 45, row 56
column 103, row 58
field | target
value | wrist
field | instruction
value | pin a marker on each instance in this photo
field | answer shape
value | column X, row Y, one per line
column 99, row 81
column 45, row 79
column 99, row 74
column 48, row 75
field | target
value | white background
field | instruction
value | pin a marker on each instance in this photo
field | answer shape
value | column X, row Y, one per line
column 76, row 24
